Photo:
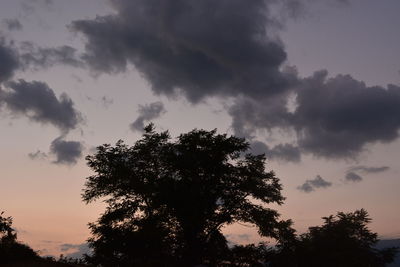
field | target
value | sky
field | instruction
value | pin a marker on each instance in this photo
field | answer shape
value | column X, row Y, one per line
column 315, row 85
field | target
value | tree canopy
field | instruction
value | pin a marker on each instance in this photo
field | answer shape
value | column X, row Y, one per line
column 343, row 240
column 167, row 200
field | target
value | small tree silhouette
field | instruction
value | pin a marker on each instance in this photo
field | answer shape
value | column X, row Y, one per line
column 168, row 200
column 343, row 240
column 10, row 249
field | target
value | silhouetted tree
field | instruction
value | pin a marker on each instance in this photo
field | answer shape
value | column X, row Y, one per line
column 168, row 200
column 7, row 233
column 343, row 240
column 10, row 249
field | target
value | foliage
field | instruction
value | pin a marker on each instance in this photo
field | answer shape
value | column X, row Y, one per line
column 343, row 240
column 70, row 261
column 168, row 200
column 10, row 249
column 7, row 233
column 249, row 255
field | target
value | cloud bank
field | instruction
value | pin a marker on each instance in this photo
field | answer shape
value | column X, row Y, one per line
column 232, row 49
column 196, row 48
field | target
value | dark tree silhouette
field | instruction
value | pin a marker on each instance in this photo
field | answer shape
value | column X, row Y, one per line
column 7, row 233
column 10, row 249
column 167, row 200
column 343, row 240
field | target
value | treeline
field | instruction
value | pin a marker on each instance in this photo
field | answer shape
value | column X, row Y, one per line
column 343, row 240
column 167, row 201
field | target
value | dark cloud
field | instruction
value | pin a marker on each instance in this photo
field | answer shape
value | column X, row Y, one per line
column 66, row 152
column 366, row 169
column 334, row 117
column 12, row 24
column 40, row 57
column 146, row 113
column 37, row 155
column 37, row 101
column 306, row 187
column 310, row 185
column 27, row 55
column 249, row 114
column 9, row 61
column 337, row 117
column 231, row 48
column 200, row 48
column 282, row 152
column 353, row 177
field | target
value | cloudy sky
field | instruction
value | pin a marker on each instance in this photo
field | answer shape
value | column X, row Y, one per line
column 315, row 85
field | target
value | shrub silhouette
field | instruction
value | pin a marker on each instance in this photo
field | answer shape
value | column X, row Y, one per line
column 343, row 240
column 10, row 249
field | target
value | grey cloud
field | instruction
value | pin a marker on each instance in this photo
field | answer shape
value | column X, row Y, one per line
column 38, row 155
column 267, row 113
column 37, row 101
column 283, row 152
column 146, row 113
column 310, row 185
column 334, row 117
column 198, row 48
column 66, row 152
column 27, row 55
column 12, row 24
column 353, row 177
column 81, row 249
column 9, row 61
column 67, row 246
column 40, row 57
column 232, row 48
column 337, row 117
column 286, row 152
column 306, row 187
column 367, row 169
column 319, row 182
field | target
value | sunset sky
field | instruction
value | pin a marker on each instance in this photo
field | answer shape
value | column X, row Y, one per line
column 315, row 85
